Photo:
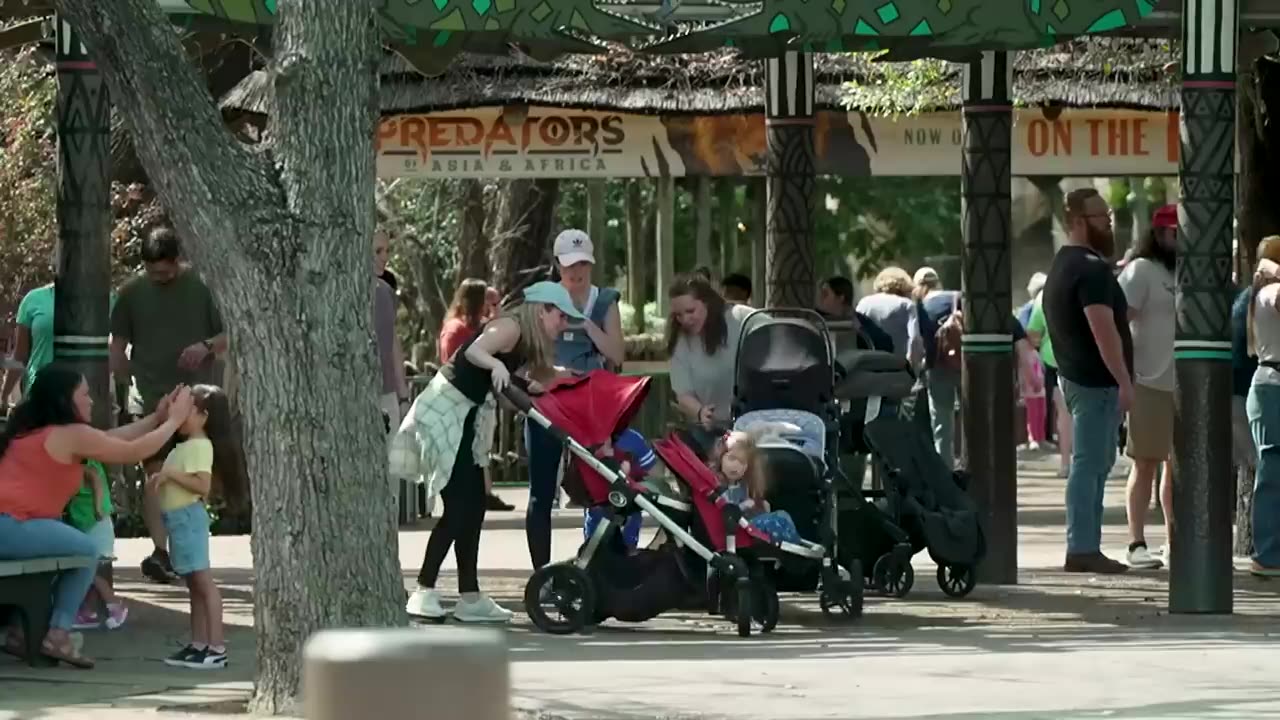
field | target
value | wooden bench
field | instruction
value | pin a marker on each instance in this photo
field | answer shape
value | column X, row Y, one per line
column 27, row 587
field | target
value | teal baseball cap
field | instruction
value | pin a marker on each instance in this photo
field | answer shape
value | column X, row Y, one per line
column 552, row 293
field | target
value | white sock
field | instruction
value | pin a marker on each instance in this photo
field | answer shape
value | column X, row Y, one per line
column 470, row 597
column 199, row 646
column 220, row 649
column 424, row 588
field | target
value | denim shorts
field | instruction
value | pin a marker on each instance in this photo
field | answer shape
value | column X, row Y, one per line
column 188, row 538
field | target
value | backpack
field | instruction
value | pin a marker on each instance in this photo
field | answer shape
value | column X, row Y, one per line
column 948, row 340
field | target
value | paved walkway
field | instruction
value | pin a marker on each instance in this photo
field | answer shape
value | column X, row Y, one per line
column 1054, row 646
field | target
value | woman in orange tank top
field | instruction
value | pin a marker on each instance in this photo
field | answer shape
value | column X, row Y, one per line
column 42, row 449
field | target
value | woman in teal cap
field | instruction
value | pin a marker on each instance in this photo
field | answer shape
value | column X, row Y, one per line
column 446, row 439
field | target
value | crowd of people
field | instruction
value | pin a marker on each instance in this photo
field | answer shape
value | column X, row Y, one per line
column 1093, row 347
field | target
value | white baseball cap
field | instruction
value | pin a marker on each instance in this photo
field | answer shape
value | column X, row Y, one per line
column 573, row 246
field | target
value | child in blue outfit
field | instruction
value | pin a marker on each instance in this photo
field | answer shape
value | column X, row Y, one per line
column 639, row 458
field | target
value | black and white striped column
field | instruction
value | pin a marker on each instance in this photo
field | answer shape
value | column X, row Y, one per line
column 987, row 395
column 81, row 313
column 789, row 125
column 1200, row 567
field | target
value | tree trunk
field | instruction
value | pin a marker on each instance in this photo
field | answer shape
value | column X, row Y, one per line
column 636, row 248
column 597, row 222
column 702, row 230
column 473, row 243
column 727, row 208
column 282, row 234
column 665, row 199
column 523, row 241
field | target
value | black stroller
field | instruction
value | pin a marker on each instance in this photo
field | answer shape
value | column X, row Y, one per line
column 921, row 496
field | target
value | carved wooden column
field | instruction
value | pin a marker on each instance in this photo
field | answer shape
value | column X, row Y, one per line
column 81, row 315
column 987, row 387
column 1200, row 567
column 789, row 121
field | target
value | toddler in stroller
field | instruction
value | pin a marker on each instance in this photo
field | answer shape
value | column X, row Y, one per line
column 607, row 579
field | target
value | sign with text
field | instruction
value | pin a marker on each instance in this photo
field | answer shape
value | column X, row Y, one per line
column 553, row 142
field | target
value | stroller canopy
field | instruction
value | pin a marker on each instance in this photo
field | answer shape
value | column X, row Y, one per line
column 592, row 408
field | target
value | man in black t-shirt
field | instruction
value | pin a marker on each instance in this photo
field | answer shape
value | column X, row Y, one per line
column 1087, row 316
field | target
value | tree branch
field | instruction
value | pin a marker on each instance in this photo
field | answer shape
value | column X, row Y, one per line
column 177, row 129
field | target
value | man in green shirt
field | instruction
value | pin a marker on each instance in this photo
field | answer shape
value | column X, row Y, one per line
column 33, row 347
column 170, row 324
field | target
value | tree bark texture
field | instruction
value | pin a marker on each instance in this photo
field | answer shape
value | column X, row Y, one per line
column 637, row 247
column 1200, row 570
column 987, row 400
column 526, row 216
column 282, row 233
column 792, row 181
column 473, row 244
column 81, row 316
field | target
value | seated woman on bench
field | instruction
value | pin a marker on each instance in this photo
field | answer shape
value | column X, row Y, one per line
column 47, row 438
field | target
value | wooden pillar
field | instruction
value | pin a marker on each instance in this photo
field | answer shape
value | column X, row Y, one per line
column 81, row 315
column 1200, row 567
column 789, row 121
column 987, row 385
column 666, row 201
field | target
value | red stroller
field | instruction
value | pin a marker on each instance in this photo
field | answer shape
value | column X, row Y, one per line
column 728, row 531
column 606, row 579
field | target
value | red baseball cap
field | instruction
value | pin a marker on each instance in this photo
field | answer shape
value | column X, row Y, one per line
column 1165, row 217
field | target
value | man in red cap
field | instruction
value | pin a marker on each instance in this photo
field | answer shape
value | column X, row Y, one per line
column 1149, row 287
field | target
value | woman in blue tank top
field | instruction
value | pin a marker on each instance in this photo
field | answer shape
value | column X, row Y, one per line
column 590, row 344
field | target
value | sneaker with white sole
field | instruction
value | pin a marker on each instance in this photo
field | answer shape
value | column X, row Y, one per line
column 481, row 610
column 1143, row 559
column 425, row 603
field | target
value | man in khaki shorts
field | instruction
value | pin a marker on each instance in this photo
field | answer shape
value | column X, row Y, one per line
column 1149, row 286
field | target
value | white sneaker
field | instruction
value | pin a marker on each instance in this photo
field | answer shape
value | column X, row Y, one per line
column 425, row 604
column 481, row 610
column 1142, row 558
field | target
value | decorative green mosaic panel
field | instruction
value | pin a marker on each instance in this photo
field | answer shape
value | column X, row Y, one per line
column 765, row 28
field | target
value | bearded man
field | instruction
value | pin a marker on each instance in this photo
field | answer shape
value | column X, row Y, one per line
column 1088, row 318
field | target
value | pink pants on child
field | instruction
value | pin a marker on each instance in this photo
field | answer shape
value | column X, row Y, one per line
column 1036, row 409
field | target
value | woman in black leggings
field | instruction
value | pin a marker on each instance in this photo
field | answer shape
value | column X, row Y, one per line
column 452, row 430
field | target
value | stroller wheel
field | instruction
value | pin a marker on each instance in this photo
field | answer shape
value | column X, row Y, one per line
column 560, row 598
column 892, row 576
column 957, row 580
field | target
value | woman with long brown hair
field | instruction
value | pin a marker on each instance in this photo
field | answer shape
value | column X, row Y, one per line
column 465, row 316
column 702, row 338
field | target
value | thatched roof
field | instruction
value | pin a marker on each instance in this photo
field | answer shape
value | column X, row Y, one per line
column 1098, row 72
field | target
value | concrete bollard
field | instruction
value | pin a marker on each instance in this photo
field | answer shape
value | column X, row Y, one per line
column 407, row 674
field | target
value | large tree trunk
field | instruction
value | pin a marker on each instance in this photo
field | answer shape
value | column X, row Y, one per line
column 473, row 244
column 282, row 235
column 523, row 235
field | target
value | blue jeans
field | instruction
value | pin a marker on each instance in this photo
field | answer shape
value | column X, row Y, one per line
column 630, row 531
column 1263, row 407
column 24, row 539
column 942, row 408
column 1095, row 422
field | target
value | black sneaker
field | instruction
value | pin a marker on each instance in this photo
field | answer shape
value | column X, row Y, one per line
column 180, row 658
column 493, row 502
column 207, row 659
column 156, row 566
